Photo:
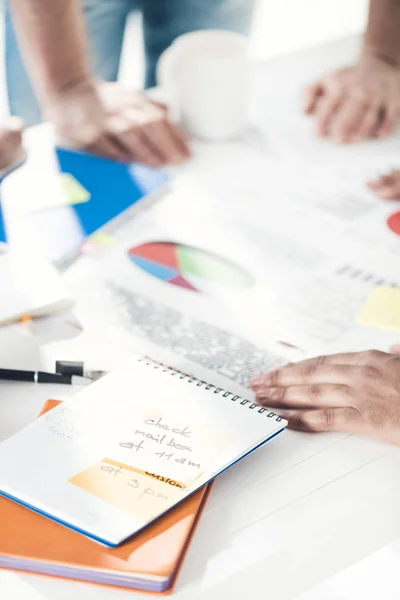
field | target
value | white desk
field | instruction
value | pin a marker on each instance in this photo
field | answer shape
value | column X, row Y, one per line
column 293, row 530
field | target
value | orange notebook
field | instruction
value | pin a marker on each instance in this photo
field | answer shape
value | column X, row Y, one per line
column 149, row 562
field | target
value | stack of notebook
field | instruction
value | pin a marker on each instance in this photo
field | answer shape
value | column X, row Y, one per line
column 150, row 561
column 127, row 464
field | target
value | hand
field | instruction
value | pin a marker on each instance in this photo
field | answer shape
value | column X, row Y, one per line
column 355, row 393
column 356, row 103
column 114, row 122
column 387, row 187
column 11, row 142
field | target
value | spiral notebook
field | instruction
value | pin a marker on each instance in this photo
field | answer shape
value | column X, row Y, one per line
column 129, row 448
column 149, row 562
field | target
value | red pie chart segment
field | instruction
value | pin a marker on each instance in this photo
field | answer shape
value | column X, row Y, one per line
column 163, row 253
column 394, row 223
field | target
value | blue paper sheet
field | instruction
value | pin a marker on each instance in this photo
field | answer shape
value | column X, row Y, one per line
column 113, row 187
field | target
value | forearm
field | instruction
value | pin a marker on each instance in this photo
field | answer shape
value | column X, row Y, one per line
column 52, row 39
column 382, row 37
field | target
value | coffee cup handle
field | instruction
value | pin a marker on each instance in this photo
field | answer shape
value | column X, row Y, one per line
column 167, row 80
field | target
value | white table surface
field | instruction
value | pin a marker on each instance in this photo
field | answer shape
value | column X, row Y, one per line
column 291, row 532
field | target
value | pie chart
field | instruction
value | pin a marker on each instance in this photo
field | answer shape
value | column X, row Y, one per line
column 189, row 268
column 394, row 223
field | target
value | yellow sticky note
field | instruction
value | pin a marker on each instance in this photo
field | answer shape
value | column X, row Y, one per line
column 382, row 309
column 75, row 193
column 102, row 239
column 49, row 191
column 132, row 490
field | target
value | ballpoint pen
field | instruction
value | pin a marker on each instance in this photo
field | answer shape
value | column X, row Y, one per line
column 77, row 368
column 42, row 377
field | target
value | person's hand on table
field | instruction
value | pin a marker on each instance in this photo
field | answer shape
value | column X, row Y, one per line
column 387, row 187
column 355, row 393
column 115, row 122
column 10, row 142
column 356, row 103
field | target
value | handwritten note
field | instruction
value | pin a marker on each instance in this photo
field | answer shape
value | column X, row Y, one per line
column 144, row 495
column 62, row 424
column 169, row 446
column 382, row 309
column 150, row 464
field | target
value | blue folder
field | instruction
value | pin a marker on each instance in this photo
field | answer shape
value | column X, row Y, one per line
column 113, row 186
column 2, row 228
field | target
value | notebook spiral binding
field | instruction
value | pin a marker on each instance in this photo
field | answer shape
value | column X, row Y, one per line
column 210, row 387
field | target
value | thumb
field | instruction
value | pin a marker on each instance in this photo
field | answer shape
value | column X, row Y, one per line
column 395, row 349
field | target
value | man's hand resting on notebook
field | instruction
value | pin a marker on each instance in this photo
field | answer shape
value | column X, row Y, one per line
column 356, row 103
column 355, row 393
column 112, row 121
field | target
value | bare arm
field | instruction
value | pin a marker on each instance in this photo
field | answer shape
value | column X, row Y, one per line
column 52, row 38
column 101, row 118
column 382, row 38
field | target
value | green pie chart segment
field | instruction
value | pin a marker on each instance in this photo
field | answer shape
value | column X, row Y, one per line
column 190, row 268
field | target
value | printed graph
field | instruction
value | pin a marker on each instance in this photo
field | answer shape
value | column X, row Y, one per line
column 189, row 268
column 362, row 276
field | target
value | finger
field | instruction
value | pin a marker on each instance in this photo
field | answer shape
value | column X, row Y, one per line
column 325, row 111
column 167, row 140
column 10, row 143
column 390, row 193
column 349, row 119
column 370, row 357
column 311, row 96
column 129, row 140
column 180, row 139
column 310, row 374
column 389, row 187
column 141, row 150
column 395, row 349
column 346, row 420
column 158, row 134
column 368, row 126
column 306, row 396
column 161, row 105
column 389, row 121
column 375, row 184
column 105, row 147
column 170, row 141
column 383, row 181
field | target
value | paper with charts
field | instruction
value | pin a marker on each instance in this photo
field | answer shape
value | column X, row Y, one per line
column 246, row 260
column 128, row 448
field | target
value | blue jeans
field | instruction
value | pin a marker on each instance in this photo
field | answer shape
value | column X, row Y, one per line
column 163, row 21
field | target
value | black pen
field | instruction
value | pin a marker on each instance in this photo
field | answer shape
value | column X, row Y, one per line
column 41, row 377
column 73, row 367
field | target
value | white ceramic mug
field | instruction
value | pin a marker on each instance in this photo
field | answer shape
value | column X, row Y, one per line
column 205, row 75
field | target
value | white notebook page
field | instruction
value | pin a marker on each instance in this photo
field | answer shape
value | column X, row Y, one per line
column 128, row 448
